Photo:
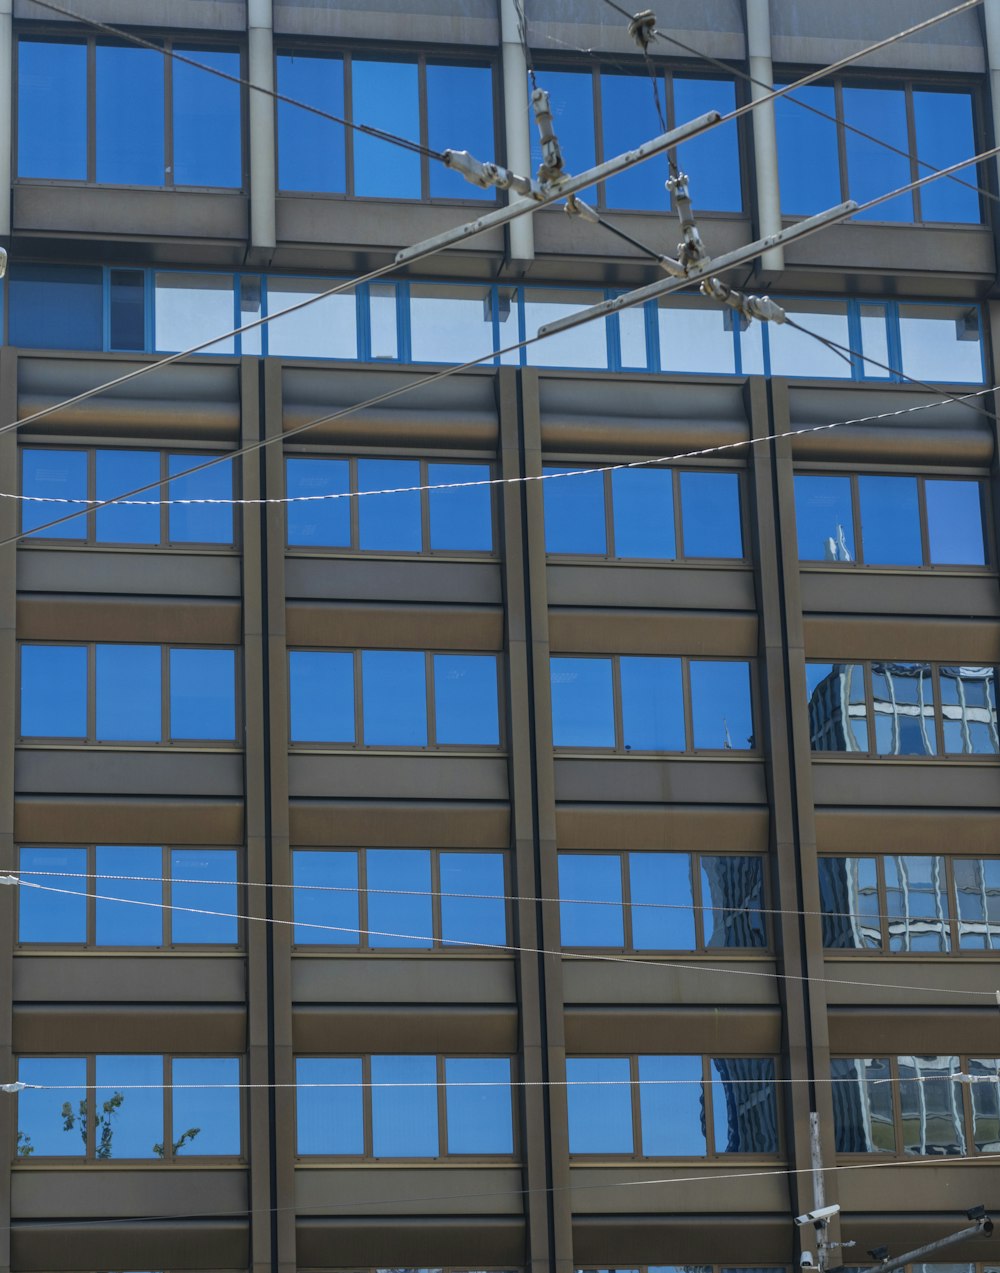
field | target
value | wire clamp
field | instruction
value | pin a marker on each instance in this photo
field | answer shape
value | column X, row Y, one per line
column 642, row 28
column 487, row 175
column 13, row 1088
column 552, row 168
column 9, row 879
column 760, row 307
column 691, row 250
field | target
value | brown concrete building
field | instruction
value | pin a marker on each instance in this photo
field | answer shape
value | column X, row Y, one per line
column 327, row 798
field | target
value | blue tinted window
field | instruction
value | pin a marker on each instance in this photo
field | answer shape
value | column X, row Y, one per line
column 583, row 713
column 321, row 523
column 945, row 134
column 849, row 896
column 473, row 908
column 461, row 519
column 128, row 693
column 129, row 115
column 743, row 1106
column 390, row 523
column 710, row 514
column 54, row 475
column 955, row 522
column 590, row 899
column 204, row 880
column 51, row 110
column 571, row 97
column 200, row 523
column 53, row 917
column 671, row 1106
column 321, row 696
column 720, row 705
column 405, row 1109
column 202, row 694
column 574, row 512
column 128, row 911
column 807, row 187
column 599, row 1104
column 43, row 1130
column 385, row 95
column 53, row 691
column 872, row 169
column 206, row 1106
column 652, row 704
column 480, row 1118
column 127, row 309
column 629, row 118
column 119, row 472
column 713, row 161
column 824, row 518
column 662, row 901
column 330, row 1119
column 732, row 890
column 311, row 149
column 890, row 521
column 837, row 710
column 128, row 1124
column 207, row 132
column 643, row 502
column 394, row 698
column 399, row 898
column 465, row 699
column 56, row 306
column 326, row 894
column 459, row 117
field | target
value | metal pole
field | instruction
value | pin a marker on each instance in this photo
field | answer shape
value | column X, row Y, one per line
column 517, row 123
column 983, row 1226
column 260, row 56
column 765, row 137
column 819, row 1187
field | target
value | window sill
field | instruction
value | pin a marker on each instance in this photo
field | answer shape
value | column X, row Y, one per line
column 650, row 563
column 953, row 758
column 407, row 952
column 597, row 753
column 210, row 748
column 480, row 1163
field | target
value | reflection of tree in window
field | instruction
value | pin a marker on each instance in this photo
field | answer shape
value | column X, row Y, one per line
column 104, row 1127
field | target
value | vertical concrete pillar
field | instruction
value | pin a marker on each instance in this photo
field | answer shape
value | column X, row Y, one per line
column 991, row 20
column 515, row 120
column 6, row 112
column 261, row 115
column 765, row 139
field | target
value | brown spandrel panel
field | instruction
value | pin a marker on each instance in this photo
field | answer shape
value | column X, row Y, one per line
column 688, row 1188
column 966, row 832
column 489, row 1193
column 76, row 1029
column 650, row 588
column 887, row 636
column 667, row 826
column 651, row 631
column 377, row 580
column 151, row 574
column 335, row 1028
column 385, row 776
column 677, row 982
column 916, row 594
column 906, row 785
column 735, row 1238
column 962, row 1011
column 433, row 977
column 708, row 1030
column 405, row 823
column 335, row 1241
column 92, row 771
column 327, row 624
column 171, row 977
column 632, row 779
column 194, row 1243
column 90, row 618
column 927, row 1197
column 102, row 819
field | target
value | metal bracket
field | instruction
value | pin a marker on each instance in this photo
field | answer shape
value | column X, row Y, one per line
column 642, row 28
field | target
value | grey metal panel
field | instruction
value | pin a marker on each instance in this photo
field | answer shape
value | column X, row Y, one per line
column 397, row 777
column 406, row 626
column 671, row 1029
column 90, row 617
column 906, row 784
column 417, row 823
column 104, row 772
column 205, row 15
column 972, row 832
column 925, row 994
column 573, row 239
column 77, row 1028
column 814, row 32
column 653, row 632
column 676, row 982
column 392, row 1242
column 121, row 1191
column 737, row 1238
column 428, row 22
column 670, row 587
column 436, row 978
column 714, row 26
column 860, row 591
column 919, row 1195
column 150, row 214
column 110, row 819
column 457, row 1190
column 157, row 573
column 693, row 1193
column 404, row 1027
column 646, row 826
column 965, row 255
column 150, row 978
column 686, row 781
column 183, row 1244
column 363, row 579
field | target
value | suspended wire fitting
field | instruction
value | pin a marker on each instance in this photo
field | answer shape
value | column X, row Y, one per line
column 759, row 307
column 642, row 28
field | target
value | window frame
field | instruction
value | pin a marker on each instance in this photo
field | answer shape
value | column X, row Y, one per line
column 39, row 33
column 354, row 549
column 438, row 944
column 165, row 740
column 92, row 882
column 169, row 1159
column 441, row 1093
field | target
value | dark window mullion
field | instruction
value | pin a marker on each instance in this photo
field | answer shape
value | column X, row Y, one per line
column 915, row 168
column 348, row 132
column 167, row 178
column 92, row 110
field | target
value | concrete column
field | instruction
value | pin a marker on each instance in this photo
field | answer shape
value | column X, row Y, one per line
column 991, row 20
column 765, row 140
column 262, row 147
column 6, row 112
column 516, row 122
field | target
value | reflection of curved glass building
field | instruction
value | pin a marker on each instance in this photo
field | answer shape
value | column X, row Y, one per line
column 732, row 893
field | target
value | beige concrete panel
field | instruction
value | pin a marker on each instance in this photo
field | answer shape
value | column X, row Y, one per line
column 397, row 776
column 906, row 784
column 80, row 771
column 623, row 826
column 126, row 820
column 906, row 594
column 473, row 583
column 172, row 215
column 889, row 998
column 456, row 1190
column 121, row 1191
column 698, row 985
column 122, row 1028
column 692, row 632
column 335, row 1028
column 695, row 1193
column 91, row 618
column 158, row 573
column 434, row 978
column 90, row 976
column 661, row 1029
column 687, row 781
column 413, row 824
column 839, row 638
column 674, row 587
column 393, row 627
column 965, row 832
column 391, row 1241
